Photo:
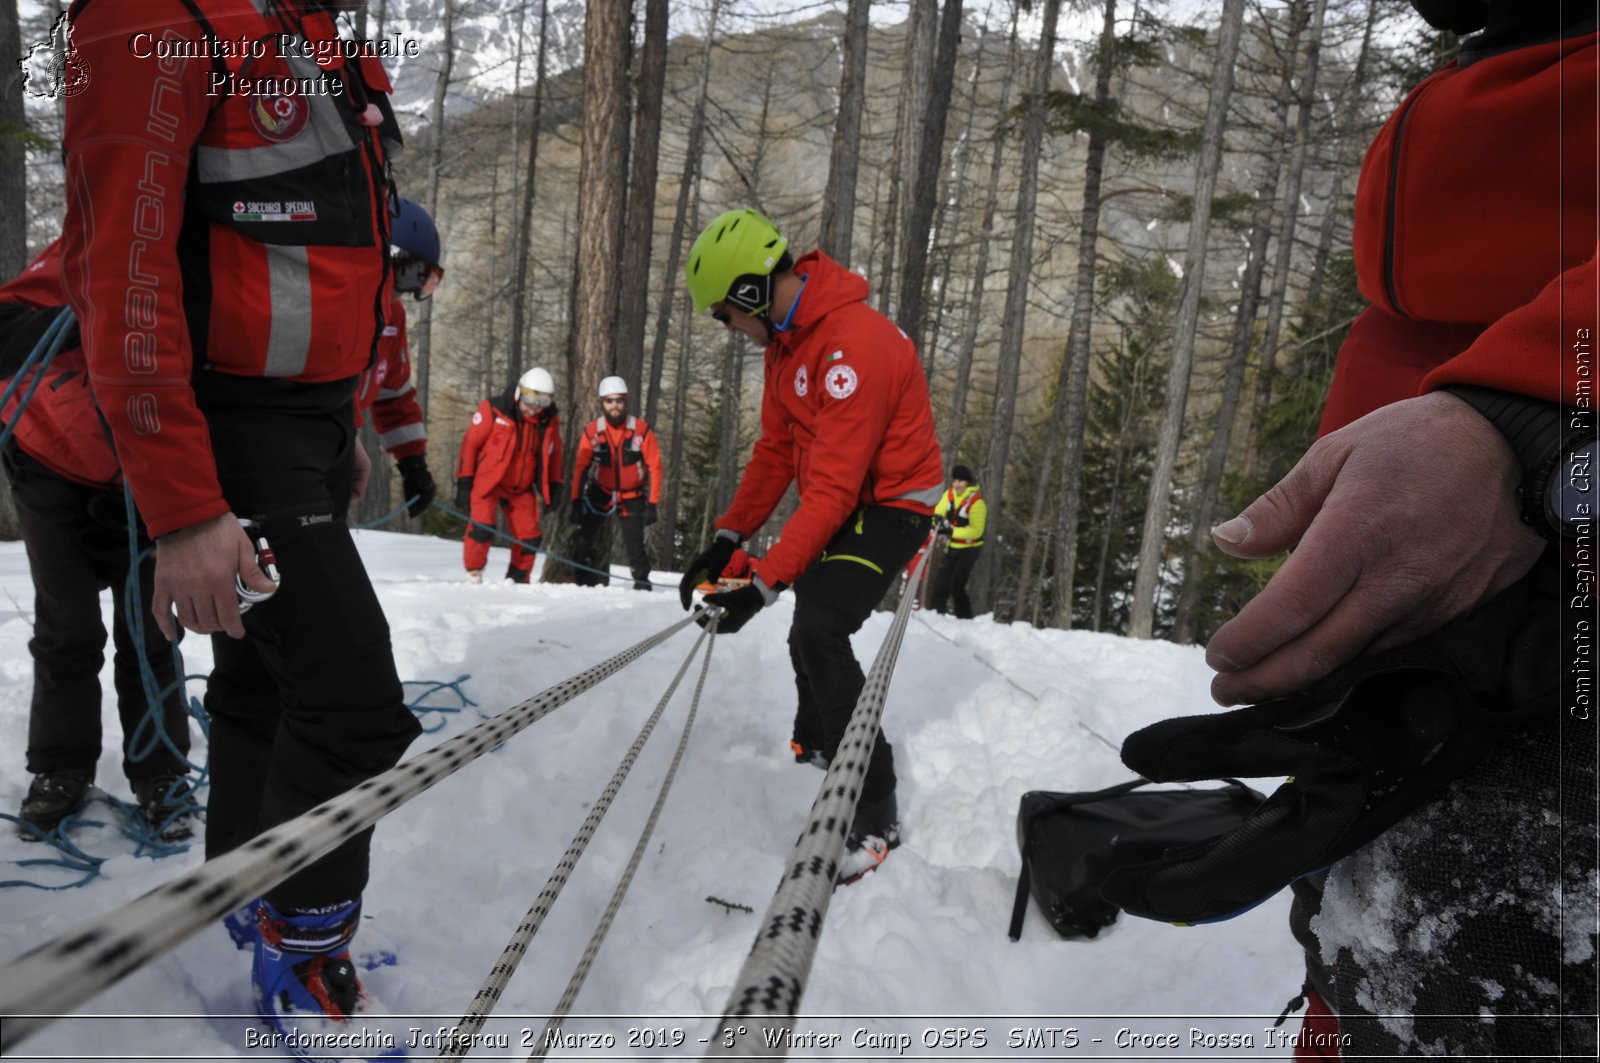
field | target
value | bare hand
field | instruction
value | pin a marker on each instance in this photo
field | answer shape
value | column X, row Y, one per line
column 1401, row 522
column 362, row 475
column 195, row 572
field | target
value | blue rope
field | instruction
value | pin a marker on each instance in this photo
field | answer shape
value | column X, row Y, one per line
column 385, row 519
column 444, row 711
column 50, row 344
column 497, row 533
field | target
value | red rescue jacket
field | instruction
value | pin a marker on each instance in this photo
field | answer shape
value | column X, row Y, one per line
column 508, row 454
column 213, row 216
column 386, row 390
column 622, row 460
column 845, row 414
column 1475, row 235
column 60, row 427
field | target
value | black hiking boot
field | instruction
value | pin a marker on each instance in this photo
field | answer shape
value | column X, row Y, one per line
column 874, row 832
column 52, row 797
column 166, row 803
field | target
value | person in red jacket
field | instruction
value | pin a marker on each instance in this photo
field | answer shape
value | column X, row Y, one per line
column 1421, row 665
column 227, row 257
column 619, row 463
column 511, row 461
column 68, row 494
column 386, row 392
column 845, row 415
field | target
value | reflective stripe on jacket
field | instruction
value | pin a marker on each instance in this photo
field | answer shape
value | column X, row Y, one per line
column 388, row 393
column 967, row 513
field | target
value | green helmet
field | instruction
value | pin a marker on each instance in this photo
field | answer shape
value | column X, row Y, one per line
column 733, row 260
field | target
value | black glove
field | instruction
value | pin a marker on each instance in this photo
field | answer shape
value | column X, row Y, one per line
column 737, row 606
column 650, row 515
column 417, row 482
column 1364, row 747
column 558, row 498
column 942, row 528
column 708, row 566
column 464, row 494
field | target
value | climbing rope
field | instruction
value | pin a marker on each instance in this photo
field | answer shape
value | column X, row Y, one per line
column 774, row 975
column 44, row 352
column 514, row 541
column 575, row 983
column 488, row 994
column 62, row 974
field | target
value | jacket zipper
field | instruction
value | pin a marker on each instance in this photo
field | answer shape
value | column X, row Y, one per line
column 1389, row 286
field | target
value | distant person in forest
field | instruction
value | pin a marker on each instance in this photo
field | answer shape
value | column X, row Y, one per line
column 511, row 462
column 959, row 519
column 386, row 392
column 1419, row 664
column 845, row 416
column 617, row 474
column 67, row 489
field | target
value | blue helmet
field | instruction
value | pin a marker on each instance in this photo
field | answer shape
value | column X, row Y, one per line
column 414, row 233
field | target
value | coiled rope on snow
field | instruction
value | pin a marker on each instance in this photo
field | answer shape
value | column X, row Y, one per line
column 62, row 974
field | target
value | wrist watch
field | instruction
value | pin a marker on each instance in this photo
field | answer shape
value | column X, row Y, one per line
column 1555, row 446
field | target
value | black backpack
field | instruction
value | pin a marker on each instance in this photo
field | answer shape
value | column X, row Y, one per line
column 1071, row 842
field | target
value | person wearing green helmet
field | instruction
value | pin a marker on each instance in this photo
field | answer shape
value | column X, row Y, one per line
column 845, row 416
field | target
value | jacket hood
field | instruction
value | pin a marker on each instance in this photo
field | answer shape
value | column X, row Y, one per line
column 828, row 287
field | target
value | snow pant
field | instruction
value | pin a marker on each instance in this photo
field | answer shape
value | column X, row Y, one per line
column 76, row 539
column 951, row 580
column 308, row 704
column 832, row 599
column 593, row 510
column 522, row 517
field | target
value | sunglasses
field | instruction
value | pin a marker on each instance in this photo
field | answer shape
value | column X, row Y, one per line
column 417, row 276
column 614, row 400
column 721, row 317
column 537, row 399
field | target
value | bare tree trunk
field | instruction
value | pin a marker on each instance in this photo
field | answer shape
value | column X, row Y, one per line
column 639, row 231
column 519, row 299
column 674, row 471
column 422, row 329
column 600, row 192
column 1018, row 276
column 13, row 193
column 839, row 201
column 1066, row 421
column 1244, row 321
column 1153, row 540
column 1291, row 210
column 671, row 285
column 956, row 423
column 925, row 188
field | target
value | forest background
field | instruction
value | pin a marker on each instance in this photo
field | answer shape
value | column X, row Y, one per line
column 1118, row 231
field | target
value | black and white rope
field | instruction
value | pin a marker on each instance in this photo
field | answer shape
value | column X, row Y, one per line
column 488, row 994
column 575, row 983
column 60, row 975
column 774, row 975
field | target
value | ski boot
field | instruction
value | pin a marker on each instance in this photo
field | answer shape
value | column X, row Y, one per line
column 52, row 797
column 808, row 755
column 305, row 981
column 874, row 832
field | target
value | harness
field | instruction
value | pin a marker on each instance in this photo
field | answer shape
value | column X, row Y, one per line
column 630, row 460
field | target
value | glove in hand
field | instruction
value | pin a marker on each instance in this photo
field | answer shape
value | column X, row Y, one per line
column 737, row 606
column 464, row 494
column 1364, row 747
column 706, row 567
column 558, row 498
column 650, row 514
column 417, row 482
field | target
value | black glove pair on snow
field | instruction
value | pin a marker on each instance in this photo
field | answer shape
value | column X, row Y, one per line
column 417, row 482
column 1364, row 747
column 738, row 605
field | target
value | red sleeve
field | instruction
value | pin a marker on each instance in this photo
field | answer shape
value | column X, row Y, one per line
column 768, row 474
column 585, row 455
column 1545, row 348
column 472, row 442
column 652, row 461
column 129, row 135
column 396, row 415
column 848, row 432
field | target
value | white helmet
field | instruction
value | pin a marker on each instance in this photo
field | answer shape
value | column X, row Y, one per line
column 613, row 385
column 536, row 387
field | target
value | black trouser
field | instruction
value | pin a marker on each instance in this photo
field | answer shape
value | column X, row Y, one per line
column 308, row 704
column 951, row 581
column 77, row 543
column 832, row 599
column 593, row 509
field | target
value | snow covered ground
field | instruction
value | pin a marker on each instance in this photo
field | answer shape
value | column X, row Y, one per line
column 978, row 712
